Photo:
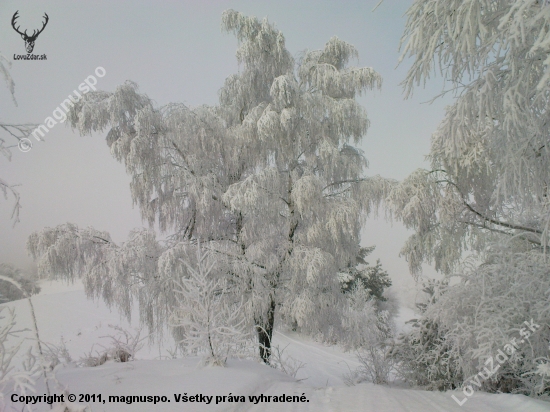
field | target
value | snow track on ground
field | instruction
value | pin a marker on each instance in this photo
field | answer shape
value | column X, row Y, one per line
column 324, row 366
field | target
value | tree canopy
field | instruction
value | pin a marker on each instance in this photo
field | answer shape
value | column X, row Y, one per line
column 490, row 157
column 481, row 212
column 268, row 180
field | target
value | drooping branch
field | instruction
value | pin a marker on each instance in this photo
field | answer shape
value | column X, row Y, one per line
column 503, row 224
column 19, row 131
column 492, row 229
column 341, row 182
column 486, row 218
column 5, row 188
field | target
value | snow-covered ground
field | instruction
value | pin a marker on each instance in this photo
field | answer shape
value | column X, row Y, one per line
column 64, row 312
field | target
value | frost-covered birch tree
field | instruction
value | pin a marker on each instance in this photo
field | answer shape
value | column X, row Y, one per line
column 269, row 180
column 487, row 190
column 490, row 157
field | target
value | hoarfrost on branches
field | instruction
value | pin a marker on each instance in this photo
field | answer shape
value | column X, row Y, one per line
column 486, row 194
column 15, row 131
column 204, row 317
column 268, row 180
column 12, row 379
column 490, row 158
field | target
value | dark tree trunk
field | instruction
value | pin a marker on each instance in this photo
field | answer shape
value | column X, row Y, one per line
column 264, row 326
column 264, row 329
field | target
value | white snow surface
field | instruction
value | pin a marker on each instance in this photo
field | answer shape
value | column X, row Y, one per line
column 64, row 311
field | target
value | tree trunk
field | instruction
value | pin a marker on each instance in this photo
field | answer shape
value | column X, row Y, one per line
column 264, row 329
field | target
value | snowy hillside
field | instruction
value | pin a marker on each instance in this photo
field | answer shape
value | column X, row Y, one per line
column 64, row 312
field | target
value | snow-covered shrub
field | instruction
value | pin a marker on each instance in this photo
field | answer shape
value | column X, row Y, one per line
column 424, row 356
column 376, row 362
column 369, row 332
column 56, row 354
column 376, row 366
column 490, row 310
column 490, row 307
column 9, row 291
column 19, row 380
column 93, row 358
column 205, row 317
column 543, row 370
column 123, row 348
column 124, row 345
column 285, row 363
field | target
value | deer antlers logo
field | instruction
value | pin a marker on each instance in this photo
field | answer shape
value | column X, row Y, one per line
column 29, row 40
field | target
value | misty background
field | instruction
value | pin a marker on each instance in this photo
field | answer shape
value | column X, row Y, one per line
column 176, row 52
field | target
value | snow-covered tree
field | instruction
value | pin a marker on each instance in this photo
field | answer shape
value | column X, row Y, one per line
column 268, row 180
column 486, row 192
column 363, row 275
column 490, row 158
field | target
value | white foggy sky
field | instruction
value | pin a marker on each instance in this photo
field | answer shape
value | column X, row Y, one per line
column 176, row 52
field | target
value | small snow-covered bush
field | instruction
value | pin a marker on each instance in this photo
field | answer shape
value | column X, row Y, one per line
column 56, row 354
column 93, row 359
column 424, row 356
column 123, row 348
column 543, row 370
column 465, row 324
column 11, row 378
column 377, row 366
column 376, row 362
column 124, row 345
column 370, row 334
column 205, row 317
column 283, row 362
